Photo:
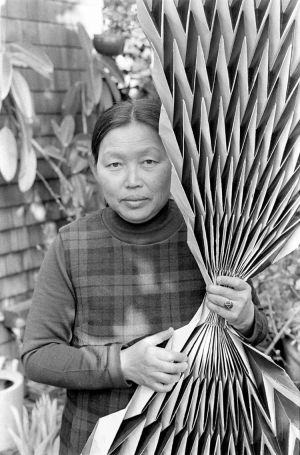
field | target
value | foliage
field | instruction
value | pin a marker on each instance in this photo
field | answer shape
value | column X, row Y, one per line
column 120, row 17
column 71, row 158
column 38, row 434
column 16, row 99
column 279, row 292
column 101, row 85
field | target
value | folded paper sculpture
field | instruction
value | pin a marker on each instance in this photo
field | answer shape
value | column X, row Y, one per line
column 227, row 73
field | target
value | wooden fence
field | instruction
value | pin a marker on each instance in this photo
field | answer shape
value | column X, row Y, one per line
column 50, row 24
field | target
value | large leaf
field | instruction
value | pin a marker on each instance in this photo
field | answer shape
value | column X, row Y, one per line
column 85, row 41
column 22, row 95
column 82, row 191
column 82, row 143
column 113, row 88
column 25, row 54
column 5, row 75
column 94, row 83
column 65, row 131
column 76, row 162
column 8, row 154
column 28, row 160
column 27, row 172
column 54, row 152
column 106, row 98
column 108, row 64
column 71, row 101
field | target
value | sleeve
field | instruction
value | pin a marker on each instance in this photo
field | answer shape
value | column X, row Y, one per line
column 47, row 354
column 259, row 329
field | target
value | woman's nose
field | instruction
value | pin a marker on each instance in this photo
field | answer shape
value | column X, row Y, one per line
column 133, row 177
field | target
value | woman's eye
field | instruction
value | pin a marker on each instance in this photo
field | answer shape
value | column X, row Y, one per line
column 150, row 162
column 114, row 165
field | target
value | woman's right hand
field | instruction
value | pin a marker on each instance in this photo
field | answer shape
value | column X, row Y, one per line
column 158, row 368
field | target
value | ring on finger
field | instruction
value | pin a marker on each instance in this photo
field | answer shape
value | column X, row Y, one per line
column 228, row 304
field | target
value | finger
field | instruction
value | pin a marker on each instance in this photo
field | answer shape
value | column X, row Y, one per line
column 220, row 300
column 159, row 337
column 161, row 388
column 171, row 367
column 226, row 293
column 171, row 356
column 233, row 282
column 221, row 311
column 164, row 378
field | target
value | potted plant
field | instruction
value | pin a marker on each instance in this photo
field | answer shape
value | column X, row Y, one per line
column 108, row 43
column 11, row 396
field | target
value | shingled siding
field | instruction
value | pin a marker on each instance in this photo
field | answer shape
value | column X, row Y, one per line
column 50, row 24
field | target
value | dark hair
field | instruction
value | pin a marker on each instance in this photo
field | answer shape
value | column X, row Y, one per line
column 144, row 110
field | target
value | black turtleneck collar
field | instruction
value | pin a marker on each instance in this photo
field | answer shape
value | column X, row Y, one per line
column 159, row 228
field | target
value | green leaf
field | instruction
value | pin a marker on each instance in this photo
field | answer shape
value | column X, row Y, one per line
column 82, row 143
column 5, row 75
column 8, row 154
column 94, row 83
column 54, row 152
column 22, row 448
column 113, row 88
column 65, row 191
column 46, row 444
column 87, row 103
column 22, row 95
column 21, row 437
column 27, row 168
column 76, row 162
column 71, row 101
column 32, row 56
column 82, row 191
column 106, row 98
column 105, row 63
column 85, row 41
column 28, row 162
column 65, row 131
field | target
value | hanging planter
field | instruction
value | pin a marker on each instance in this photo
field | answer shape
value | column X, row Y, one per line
column 11, row 394
column 109, row 44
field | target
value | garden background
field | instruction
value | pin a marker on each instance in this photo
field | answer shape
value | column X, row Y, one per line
column 55, row 78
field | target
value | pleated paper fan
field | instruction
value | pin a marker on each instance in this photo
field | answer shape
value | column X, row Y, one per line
column 227, row 73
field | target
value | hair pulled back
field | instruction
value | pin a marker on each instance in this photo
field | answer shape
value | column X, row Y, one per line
column 143, row 110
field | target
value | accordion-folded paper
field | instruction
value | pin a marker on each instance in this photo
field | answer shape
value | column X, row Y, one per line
column 227, row 73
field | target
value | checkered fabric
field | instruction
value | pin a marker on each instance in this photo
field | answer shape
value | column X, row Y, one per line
column 124, row 292
column 103, row 284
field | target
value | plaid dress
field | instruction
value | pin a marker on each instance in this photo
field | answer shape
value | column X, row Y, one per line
column 122, row 285
column 124, row 292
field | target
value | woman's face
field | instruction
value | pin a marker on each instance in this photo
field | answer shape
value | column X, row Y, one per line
column 134, row 172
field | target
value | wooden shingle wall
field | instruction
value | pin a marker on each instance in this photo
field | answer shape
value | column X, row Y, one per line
column 50, row 24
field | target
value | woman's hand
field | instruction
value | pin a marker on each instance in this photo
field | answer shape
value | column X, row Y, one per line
column 231, row 298
column 147, row 364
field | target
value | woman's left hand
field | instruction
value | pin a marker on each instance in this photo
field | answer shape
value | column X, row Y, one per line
column 231, row 298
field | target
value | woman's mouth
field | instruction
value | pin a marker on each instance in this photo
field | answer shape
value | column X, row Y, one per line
column 135, row 202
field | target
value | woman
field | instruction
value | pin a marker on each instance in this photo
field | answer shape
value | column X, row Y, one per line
column 115, row 284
